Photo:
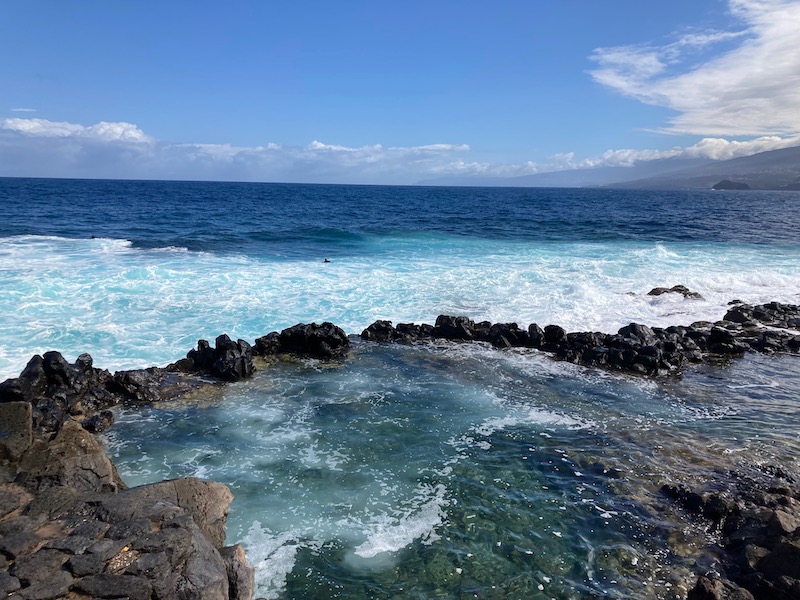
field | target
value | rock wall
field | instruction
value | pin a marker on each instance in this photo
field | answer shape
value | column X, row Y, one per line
column 635, row 348
column 70, row 528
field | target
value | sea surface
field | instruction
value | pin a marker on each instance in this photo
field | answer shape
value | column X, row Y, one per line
column 438, row 470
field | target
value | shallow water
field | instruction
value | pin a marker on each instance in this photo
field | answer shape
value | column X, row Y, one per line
column 458, row 470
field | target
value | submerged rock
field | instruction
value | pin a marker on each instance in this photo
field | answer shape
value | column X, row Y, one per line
column 758, row 516
column 675, row 289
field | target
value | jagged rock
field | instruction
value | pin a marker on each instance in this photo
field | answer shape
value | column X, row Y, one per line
column 536, row 335
column 759, row 519
column 675, row 289
column 241, row 576
column 318, row 341
column 507, row 335
column 228, row 360
column 268, row 344
column 8, row 584
column 202, row 358
column 411, row 332
column 717, row 589
column 379, row 331
column 73, row 459
column 206, row 501
column 554, row 335
column 454, row 328
column 69, row 527
column 233, row 360
column 139, row 386
column 642, row 334
column 56, row 390
column 107, row 585
column 157, row 541
column 99, row 422
column 636, row 348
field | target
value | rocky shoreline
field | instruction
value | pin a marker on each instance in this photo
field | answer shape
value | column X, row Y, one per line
column 70, row 528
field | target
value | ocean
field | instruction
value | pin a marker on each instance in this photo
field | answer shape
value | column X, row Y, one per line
column 441, row 469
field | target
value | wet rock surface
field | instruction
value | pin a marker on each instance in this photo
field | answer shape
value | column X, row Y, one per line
column 635, row 348
column 227, row 360
column 757, row 518
column 325, row 341
column 675, row 289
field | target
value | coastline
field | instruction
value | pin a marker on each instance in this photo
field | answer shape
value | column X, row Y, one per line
column 72, row 399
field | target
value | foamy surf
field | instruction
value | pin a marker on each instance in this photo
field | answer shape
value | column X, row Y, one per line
column 131, row 307
column 390, row 533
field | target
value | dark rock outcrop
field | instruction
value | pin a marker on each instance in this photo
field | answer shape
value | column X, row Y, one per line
column 70, row 528
column 675, row 289
column 635, row 348
column 228, row 360
column 326, row 341
column 319, row 341
column 57, row 390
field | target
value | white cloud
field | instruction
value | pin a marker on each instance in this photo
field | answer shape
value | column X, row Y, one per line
column 39, row 147
column 752, row 89
column 710, row 148
column 23, row 110
column 103, row 131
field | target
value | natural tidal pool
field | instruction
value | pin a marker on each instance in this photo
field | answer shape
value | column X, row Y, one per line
column 459, row 471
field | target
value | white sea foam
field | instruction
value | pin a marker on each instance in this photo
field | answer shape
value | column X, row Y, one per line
column 273, row 557
column 530, row 416
column 392, row 532
column 132, row 307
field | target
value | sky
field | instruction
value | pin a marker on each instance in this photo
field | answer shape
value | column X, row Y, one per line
column 389, row 92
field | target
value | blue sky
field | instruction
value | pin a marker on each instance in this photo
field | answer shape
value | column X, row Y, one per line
column 379, row 92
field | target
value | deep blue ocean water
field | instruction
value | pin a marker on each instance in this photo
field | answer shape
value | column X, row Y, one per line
column 443, row 470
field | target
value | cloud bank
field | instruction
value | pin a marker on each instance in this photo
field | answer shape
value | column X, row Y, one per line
column 41, row 148
column 751, row 87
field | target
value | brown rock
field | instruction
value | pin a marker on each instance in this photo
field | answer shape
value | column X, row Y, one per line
column 241, row 575
column 783, row 523
column 73, row 459
column 206, row 501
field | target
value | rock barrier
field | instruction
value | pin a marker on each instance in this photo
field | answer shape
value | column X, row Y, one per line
column 635, row 348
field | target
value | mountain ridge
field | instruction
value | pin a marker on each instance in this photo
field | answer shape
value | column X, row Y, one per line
column 769, row 170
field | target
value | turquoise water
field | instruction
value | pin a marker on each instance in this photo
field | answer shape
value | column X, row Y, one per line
column 453, row 471
column 436, row 470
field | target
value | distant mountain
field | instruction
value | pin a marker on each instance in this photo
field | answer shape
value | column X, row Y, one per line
column 773, row 170
column 599, row 176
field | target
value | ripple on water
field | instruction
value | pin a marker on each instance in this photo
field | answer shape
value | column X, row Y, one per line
column 444, row 470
